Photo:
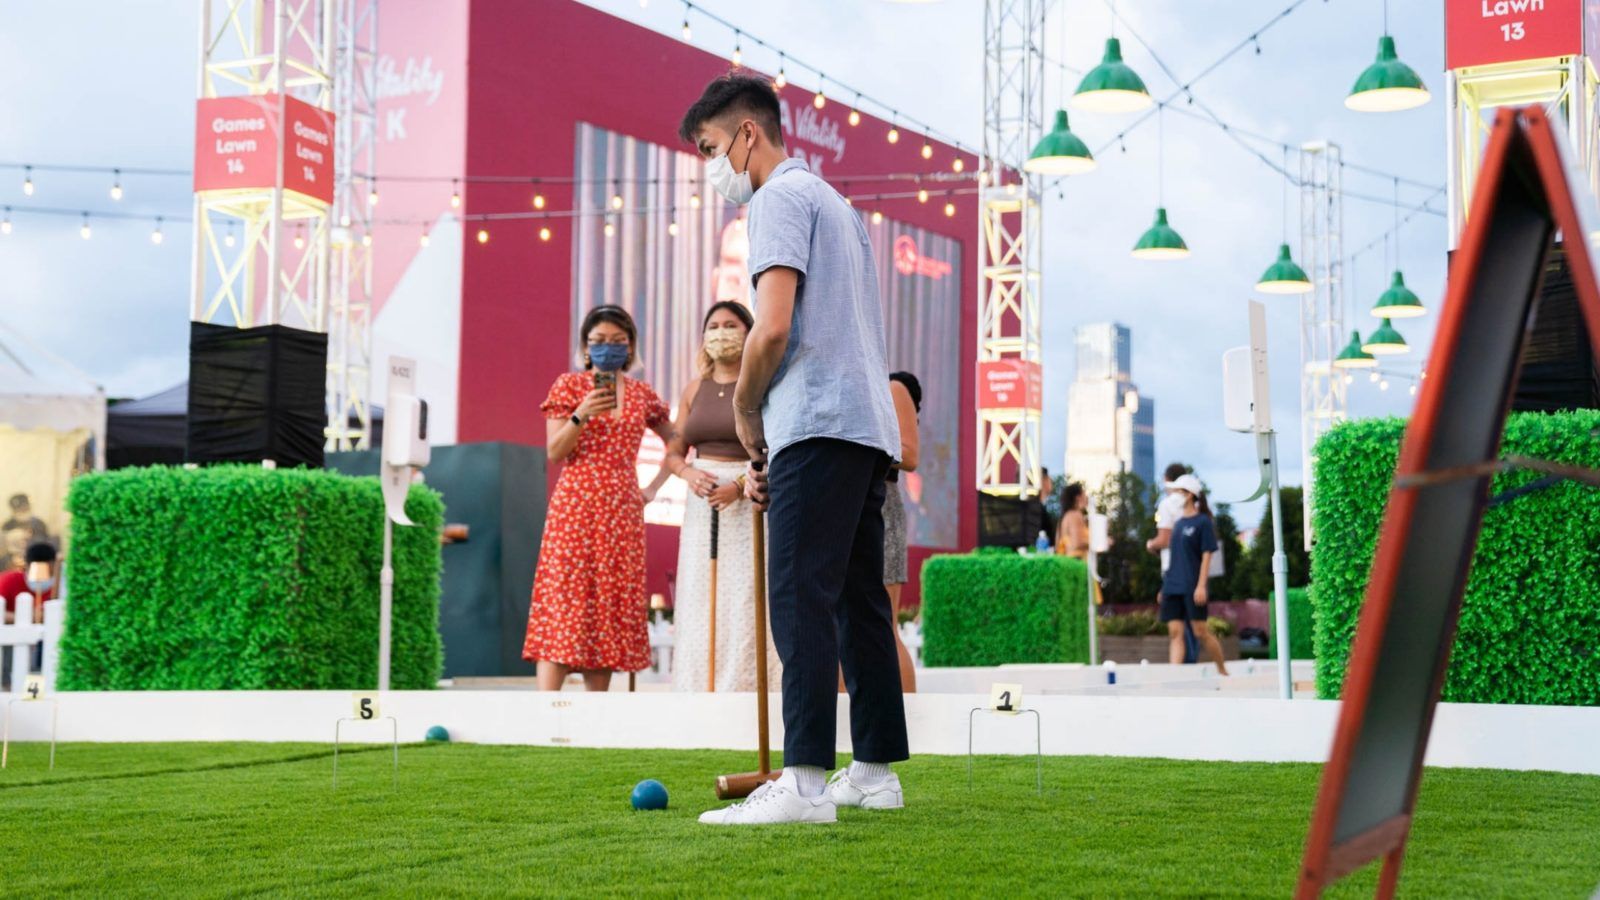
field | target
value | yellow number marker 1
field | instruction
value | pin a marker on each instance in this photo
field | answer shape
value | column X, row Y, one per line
column 1005, row 698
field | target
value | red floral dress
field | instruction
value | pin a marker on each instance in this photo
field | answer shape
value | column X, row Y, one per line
column 589, row 608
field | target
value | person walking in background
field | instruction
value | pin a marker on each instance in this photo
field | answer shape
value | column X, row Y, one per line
column 1168, row 511
column 21, row 531
column 36, row 577
column 1072, row 538
column 589, row 612
column 1183, row 588
column 906, row 391
column 716, row 483
column 812, row 406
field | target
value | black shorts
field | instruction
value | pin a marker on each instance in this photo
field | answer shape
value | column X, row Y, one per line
column 1174, row 607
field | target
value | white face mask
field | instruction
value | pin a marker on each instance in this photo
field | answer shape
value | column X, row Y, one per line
column 733, row 185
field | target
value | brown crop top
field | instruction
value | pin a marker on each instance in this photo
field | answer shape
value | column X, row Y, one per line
column 709, row 426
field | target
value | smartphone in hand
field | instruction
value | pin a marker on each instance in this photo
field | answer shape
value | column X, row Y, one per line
column 608, row 381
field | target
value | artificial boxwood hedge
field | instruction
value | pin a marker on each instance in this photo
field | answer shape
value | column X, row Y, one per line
column 988, row 609
column 1530, row 620
column 1300, row 627
column 237, row 577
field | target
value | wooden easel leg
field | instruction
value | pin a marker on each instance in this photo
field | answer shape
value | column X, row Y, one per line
column 1389, row 876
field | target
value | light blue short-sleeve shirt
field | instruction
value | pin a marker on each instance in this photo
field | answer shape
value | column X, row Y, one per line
column 833, row 381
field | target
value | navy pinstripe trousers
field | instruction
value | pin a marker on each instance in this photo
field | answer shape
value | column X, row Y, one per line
column 827, row 602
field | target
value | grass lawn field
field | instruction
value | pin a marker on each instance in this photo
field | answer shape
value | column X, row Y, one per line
column 228, row 819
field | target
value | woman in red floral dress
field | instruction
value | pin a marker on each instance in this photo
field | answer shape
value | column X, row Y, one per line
column 589, row 610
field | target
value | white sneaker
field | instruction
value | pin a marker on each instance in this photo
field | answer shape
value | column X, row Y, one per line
column 886, row 794
column 775, row 803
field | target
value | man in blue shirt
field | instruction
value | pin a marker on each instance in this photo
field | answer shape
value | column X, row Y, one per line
column 812, row 407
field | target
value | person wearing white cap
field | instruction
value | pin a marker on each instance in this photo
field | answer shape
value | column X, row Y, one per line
column 1168, row 512
column 1183, row 587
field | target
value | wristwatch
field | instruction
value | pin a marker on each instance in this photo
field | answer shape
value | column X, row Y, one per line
column 577, row 421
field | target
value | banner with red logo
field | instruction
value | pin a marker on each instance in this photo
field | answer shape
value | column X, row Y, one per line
column 908, row 260
column 1483, row 32
column 1010, row 384
column 236, row 145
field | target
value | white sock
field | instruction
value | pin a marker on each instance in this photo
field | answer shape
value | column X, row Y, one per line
column 808, row 780
column 868, row 773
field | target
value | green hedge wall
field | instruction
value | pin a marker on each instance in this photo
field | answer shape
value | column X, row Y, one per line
column 236, row 577
column 1301, row 626
column 987, row 609
column 1530, row 619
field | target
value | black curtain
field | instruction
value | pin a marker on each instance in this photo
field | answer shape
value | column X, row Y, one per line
column 256, row 394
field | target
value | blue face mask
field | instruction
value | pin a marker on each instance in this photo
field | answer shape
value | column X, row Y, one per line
column 608, row 357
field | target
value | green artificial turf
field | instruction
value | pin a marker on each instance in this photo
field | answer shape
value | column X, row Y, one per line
column 226, row 819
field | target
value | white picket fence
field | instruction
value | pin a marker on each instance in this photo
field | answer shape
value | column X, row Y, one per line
column 24, row 634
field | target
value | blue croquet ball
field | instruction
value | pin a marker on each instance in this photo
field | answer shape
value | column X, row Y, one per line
column 437, row 733
column 649, row 794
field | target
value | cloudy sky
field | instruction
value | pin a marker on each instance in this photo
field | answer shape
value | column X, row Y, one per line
column 113, row 84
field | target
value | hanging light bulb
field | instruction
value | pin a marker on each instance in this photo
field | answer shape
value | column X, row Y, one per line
column 672, row 228
column 1373, row 377
column 855, row 114
column 116, row 184
column 155, row 236
column 1383, row 385
column 782, row 80
column 27, row 181
column 819, row 101
column 877, row 217
column 894, row 131
column 83, row 231
column 927, row 149
column 738, row 55
column 610, row 229
column 344, row 221
column 422, row 241
column 366, row 239
column 372, row 193
column 922, row 195
column 538, row 201
column 455, row 193
column 1060, row 152
column 687, row 34
column 483, row 235
column 227, row 239
column 1111, row 87
column 616, row 197
column 300, row 239
column 544, row 234
column 1348, row 378
column 1413, row 390
column 958, row 165
column 950, row 208
column 694, row 201
column 849, row 201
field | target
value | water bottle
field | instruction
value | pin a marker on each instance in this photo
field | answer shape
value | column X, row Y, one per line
column 1042, row 544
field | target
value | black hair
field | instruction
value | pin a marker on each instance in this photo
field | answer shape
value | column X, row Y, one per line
column 733, row 306
column 617, row 316
column 40, row 551
column 913, row 387
column 1070, row 495
column 1175, row 471
column 18, row 501
column 748, row 95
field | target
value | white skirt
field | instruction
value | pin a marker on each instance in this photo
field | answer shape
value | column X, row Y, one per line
column 736, row 622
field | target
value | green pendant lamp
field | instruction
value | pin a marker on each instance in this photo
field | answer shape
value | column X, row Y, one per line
column 1385, row 341
column 1398, row 302
column 1284, row 276
column 1353, row 357
column 1111, row 87
column 1388, row 85
column 1160, row 241
column 1060, row 152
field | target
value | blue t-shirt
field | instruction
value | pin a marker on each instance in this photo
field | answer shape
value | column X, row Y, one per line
column 833, row 381
column 1192, row 536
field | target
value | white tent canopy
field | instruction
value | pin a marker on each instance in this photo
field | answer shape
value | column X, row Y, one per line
column 40, row 390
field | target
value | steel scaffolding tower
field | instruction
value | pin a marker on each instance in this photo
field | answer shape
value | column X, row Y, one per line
column 263, row 275
column 1009, row 235
column 355, row 105
column 1322, row 388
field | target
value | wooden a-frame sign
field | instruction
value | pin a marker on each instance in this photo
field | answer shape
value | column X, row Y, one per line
column 1525, row 193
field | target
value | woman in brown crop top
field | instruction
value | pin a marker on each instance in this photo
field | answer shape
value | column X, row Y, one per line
column 705, row 426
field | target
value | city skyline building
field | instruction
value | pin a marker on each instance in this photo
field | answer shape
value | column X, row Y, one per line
column 1110, row 425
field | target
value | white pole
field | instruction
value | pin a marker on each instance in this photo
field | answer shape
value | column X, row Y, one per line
column 385, row 602
column 21, row 653
column 1094, row 625
column 55, row 616
column 1280, row 576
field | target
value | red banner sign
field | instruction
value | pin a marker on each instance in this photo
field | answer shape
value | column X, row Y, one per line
column 1010, row 384
column 908, row 260
column 236, row 146
column 1482, row 32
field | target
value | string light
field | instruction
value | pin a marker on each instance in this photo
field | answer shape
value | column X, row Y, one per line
column 610, row 229
column 738, row 55
column 950, row 209
column 27, row 180
column 616, row 197
column 300, row 239
column 344, row 221
column 819, row 101
column 855, row 114
column 83, row 231
column 927, row 149
column 849, row 202
column 922, row 195
column 455, row 193
column 894, row 131
column 544, row 234
column 1413, row 390
column 538, row 201
column 116, row 185
column 366, row 239
column 1348, row 378
column 782, row 80
column 1373, row 377
column 958, row 165
column 672, row 228
column 877, row 217
column 155, row 236
column 1383, row 385
column 372, row 193
column 227, row 239
column 687, row 34
column 483, row 235
column 694, row 201
column 422, row 241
